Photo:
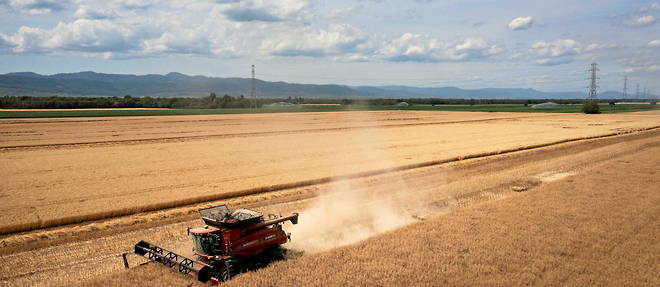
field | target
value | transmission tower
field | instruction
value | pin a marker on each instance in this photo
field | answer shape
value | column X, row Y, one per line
column 253, row 93
column 593, row 86
column 637, row 92
column 625, row 86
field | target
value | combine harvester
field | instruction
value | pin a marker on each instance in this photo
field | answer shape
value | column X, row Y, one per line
column 232, row 242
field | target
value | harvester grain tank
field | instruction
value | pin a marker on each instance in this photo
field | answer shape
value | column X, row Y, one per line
column 231, row 242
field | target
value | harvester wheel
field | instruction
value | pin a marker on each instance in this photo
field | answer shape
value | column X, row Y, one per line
column 227, row 269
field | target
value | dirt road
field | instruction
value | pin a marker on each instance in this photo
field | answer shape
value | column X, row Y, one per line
column 435, row 189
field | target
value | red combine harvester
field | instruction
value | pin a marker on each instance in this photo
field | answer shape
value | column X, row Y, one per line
column 232, row 242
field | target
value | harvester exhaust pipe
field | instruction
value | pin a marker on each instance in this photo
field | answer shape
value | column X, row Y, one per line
column 170, row 259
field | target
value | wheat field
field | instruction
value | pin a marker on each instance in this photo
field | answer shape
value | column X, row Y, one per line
column 588, row 216
column 596, row 228
column 63, row 171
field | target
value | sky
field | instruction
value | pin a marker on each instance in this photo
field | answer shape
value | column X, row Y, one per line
column 545, row 45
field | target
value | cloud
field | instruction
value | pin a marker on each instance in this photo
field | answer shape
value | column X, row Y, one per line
column 552, row 61
column 596, row 47
column 558, row 48
column 178, row 42
column 89, row 12
column 248, row 15
column 81, row 35
column 521, row 23
column 420, row 48
column 104, row 38
column 341, row 13
column 647, row 68
column 134, row 4
column 27, row 39
column 652, row 7
column 5, row 43
column 37, row 6
column 204, row 41
column 346, row 43
column 338, row 39
column 412, row 48
column 642, row 21
column 263, row 11
column 555, row 53
column 641, row 61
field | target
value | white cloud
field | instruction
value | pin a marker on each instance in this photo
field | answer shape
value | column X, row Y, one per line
column 80, row 35
column 264, row 11
column 521, row 23
column 555, row 53
column 5, row 43
column 642, row 21
column 472, row 44
column 90, row 12
column 27, row 39
column 412, row 47
column 494, row 50
column 652, row 7
column 648, row 68
column 124, row 29
column 641, row 61
column 177, row 39
column 596, row 47
column 654, row 43
column 557, row 48
column 341, row 13
column 337, row 39
column 133, row 4
column 105, row 38
column 421, row 48
column 38, row 6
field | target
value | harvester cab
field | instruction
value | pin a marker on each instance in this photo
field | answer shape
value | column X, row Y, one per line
column 230, row 242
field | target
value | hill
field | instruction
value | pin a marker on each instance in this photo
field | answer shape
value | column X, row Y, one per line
column 181, row 85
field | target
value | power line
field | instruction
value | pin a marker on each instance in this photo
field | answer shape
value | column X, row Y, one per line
column 593, row 86
column 253, row 92
column 625, row 86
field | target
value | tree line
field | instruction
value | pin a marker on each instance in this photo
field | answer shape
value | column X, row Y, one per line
column 212, row 101
column 59, row 102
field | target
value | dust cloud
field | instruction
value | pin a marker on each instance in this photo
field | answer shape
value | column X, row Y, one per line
column 351, row 211
column 345, row 216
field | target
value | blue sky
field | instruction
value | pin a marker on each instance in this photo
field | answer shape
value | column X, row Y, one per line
column 545, row 45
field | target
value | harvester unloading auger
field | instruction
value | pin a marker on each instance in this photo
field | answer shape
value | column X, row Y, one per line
column 231, row 242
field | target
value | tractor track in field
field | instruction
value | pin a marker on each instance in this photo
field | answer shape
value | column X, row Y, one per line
column 95, row 255
column 240, row 135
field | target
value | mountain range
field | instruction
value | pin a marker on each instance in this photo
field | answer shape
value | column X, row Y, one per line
column 181, row 85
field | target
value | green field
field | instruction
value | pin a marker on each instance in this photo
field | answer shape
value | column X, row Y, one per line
column 319, row 108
